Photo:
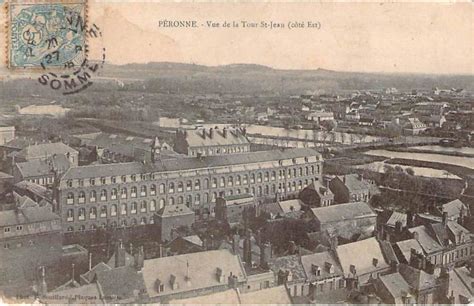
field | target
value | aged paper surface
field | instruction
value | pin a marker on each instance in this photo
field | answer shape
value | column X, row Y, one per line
column 236, row 152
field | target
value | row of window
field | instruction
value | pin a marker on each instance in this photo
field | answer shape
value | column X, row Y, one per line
column 7, row 229
column 112, row 210
column 223, row 150
column 258, row 191
column 114, row 224
column 17, row 245
column 244, row 179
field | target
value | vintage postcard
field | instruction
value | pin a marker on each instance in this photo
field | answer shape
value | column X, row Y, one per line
column 236, row 152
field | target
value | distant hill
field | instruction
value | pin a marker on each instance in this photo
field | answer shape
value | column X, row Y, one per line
column 252, row 79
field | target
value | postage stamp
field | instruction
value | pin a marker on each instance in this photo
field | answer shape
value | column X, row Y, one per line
column 46, row 33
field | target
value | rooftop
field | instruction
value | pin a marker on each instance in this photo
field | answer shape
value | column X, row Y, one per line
column 339, row 212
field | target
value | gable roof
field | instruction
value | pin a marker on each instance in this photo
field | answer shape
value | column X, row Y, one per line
column 353, row 182
column 200, row 267
column 361, row 254
column 43, row 150
column 339, row 212
column 453, row 208
column 195, row 138
column 27, row 215
column 405, row 247
column 187, row 163
column 322, row 260
column 395, row 284
column 397, row 216
column 417, row 279
column 120, row 283
column 424, row 238
column 39, row 167
column 290, row 263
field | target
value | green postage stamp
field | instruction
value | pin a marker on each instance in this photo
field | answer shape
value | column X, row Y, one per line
column 46, row 34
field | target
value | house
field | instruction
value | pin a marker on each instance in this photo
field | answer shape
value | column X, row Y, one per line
column 186, row 244
column 324, row 274
column 349, row 221
column 410, row 125
column 189, row 275
column 7, row 133
column 213, row 141
column 41, row 171
column 362, row 260
column 350, row 188
column 289, row 271
column 172, row 217
column 320, row 116
column 316, row 195
column 455, row 209
column 233, row 208
column 43, row 151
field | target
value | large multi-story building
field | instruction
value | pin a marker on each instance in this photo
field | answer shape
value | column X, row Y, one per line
column 126, row 194
column 210, row 142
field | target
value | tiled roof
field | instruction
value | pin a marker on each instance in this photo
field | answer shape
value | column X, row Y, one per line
column 195, row 138
column 395, row 284
column 43, row 150
column 174, row 210
column 39, row 167
column 405, row 247
column 354, row 183
column 397, row 216
column 200, row 268
column 289, row 263
column 321, row 260
column 428, row 244
column 186, row 163
column 122, row 282
column 339, row 212
column 361, row 254
column 26, row 215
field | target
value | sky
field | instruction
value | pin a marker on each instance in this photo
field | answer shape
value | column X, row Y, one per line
column 356, row 36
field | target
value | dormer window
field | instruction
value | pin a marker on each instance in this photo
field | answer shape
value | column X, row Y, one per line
column 220, row 275
column 329, row 267
column 375, row 262
column 174, row 282
column 316, row 270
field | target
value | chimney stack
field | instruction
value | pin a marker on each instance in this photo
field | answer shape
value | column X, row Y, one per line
column 398, row 227
column 211, row 133
column 224, row 132
column 140, row 259
column 410, row 218
column 43, row 286
column 445, row 218
column 235, row 244
column 120, row 255
column 248, row 248
column 265, row 255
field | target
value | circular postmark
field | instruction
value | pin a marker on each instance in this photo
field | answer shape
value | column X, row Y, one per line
column 76, row 74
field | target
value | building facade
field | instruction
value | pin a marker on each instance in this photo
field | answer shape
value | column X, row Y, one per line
column 130, row 193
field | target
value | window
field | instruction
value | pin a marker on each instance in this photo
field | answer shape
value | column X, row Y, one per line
column 153, row 189
column 180, row 200
column 69, row 183
column 153, row 205
column 189, row 200
column 123, row 193
column 161, row 203
column 143, row 221
column 113, row 179
column 70, row 198
column 124, row 178
column 92, row 196
column 133, row 192
column 230, row 181
column 113, row 194
column 6, row 230
column 162, row 188
column 171, row 201
column 252, row 178
column 123, row 209
column 180, row 187
column 206, row 183
column 214, row 183
column 133, row 209
column 92, row 182
column 171, row 188
column 197, row 199
column 266, row 178
column 81, row 183
column 82, row 197
column 237, row 181
column 81, row 216
column 197, row 185
column 259, row 178
column 113, row 210
column 19, row 227
column 92, row 213
column 143, row 191
column 189, row 185
column 245, row 180
column 102, row 180
column 143, row 206
column 103, row 195
column 103, row 211
column 70, row 215
column 134, row 178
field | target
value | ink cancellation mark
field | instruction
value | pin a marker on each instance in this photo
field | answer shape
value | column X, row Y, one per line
column 46, row 33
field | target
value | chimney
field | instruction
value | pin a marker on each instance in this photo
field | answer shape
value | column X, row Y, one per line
column 203, row 133
column 233, row 281
column 398, row 227
column 410, row 218
column 334, row 243
column 160, row 250
column 211, row 133
column 265, row 255
column 292, row 247
column 445, row 218
column 394, row 266
column 120, row 255
column 220, row 275
column 43, row 286
column 235, row 244
column 248, row 248
column 224, row 132
column 90, row 261
column 140, row 259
